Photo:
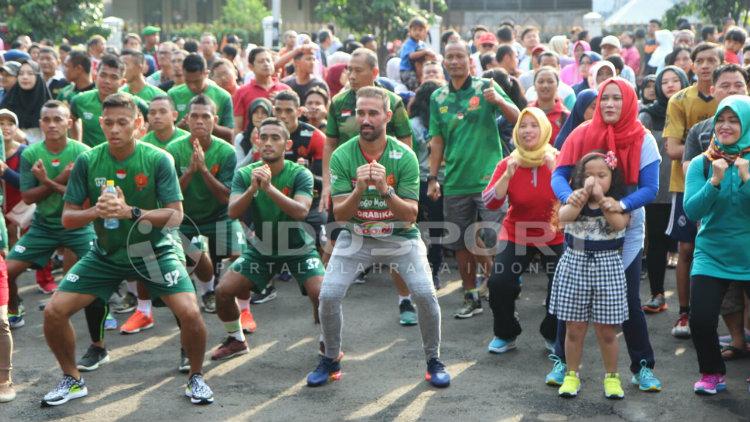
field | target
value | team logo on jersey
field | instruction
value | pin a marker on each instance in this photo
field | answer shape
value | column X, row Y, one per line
column 391, row 180
column 395, row 155
column 302, row 151
column 305, row 133
column 87, row 115
column 459, row 115
column 121, row 174
column 473, row 103
column 443, row 109
column 181, row 107
column 100, row 181
column 214, row 169
column 286, row 191
column 141, row 180
column 56, row 162
column 346, row 113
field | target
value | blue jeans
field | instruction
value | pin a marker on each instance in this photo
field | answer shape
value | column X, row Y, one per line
column 634, row 329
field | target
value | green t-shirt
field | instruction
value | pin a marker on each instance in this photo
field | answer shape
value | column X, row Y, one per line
column 153, row 140
column 49, row 210
column 267, row 217
column 468, row 125
column 181, row 95
column 373, row 218
column 200, row 205
column 87, row 107
column 146, row 94
column 342, row 117
column 69, row 91
column 148, row 181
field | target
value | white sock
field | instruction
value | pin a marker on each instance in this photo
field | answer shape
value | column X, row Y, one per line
column 234, row 329
column 204, row 286
column 132, row 287
column 244, row 304
column 144, row 306
column 403, row 298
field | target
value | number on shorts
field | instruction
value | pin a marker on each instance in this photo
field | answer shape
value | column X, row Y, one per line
column 312, row 263
column 172, row 277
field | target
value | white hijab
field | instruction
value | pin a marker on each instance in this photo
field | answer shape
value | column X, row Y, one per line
column 665, row 41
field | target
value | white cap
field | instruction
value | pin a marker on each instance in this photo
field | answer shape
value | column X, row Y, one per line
column 611, row 40
column 6, row 112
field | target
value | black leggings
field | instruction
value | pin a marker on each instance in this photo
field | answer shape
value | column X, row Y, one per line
column 510, row 263
column 96, row 313
column 657, row 219
column 706, row 294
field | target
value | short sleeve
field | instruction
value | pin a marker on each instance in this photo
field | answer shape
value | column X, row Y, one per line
column 237, row 106
column 167, row 184
column 226, row 170
column 240, row 182
column 76, row 192
column 674, row 127
column 227, row 114
column 649, row 151
column 434, row 127
column 74, row 108
column 142, row 105
column 332, row 125
column 408, row 181
column 692, row 144
column 340, row 181
column 502, row 93
column 303, row 183
column 28, row 180
column 400, row 120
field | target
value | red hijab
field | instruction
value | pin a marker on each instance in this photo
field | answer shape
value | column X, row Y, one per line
column 625, row 137
column 333, row 78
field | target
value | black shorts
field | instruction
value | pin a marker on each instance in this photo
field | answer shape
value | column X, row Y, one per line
column 680, row 228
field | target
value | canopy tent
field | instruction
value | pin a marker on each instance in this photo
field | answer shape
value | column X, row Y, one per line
column 639, row 12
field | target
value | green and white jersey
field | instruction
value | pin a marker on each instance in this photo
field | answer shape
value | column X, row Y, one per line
column 342, row 117
column 87, row 107
column 153, row 140
column 146, row 94
column 373, row 218
column 181, row 95
column 148, row 181
column 69, row 91
column 200, row 205
column 468, row 125
column 49, row 210
column 273, row 227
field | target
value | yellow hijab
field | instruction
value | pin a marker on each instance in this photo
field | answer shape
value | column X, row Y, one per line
column 535, row 157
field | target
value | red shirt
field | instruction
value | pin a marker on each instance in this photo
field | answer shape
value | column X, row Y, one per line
column 556, row 117
column 731, row 57
column 532, row 204
column 247, row 93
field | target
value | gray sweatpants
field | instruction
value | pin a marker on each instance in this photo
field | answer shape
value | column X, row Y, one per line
column 354, row 253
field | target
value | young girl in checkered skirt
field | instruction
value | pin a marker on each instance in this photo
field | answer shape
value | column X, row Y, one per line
column 589, row 283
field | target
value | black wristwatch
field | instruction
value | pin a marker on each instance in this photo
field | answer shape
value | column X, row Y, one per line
column 135, row 213
column 389, row 193
column 431, row 178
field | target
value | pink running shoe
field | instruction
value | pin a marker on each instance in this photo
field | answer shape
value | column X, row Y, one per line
column 710, row 384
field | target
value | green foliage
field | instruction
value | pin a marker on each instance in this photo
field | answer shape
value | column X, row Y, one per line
column 53, row 19
column 245, row 14
column 387, row 19
column 194, row 30
column 711, row 10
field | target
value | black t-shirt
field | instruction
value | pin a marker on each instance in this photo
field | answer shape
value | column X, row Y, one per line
column 308, row 143
column 302, row 90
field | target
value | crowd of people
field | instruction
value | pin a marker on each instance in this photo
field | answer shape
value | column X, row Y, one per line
column 195, row 174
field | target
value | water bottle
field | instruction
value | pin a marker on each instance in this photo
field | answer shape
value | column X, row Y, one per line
column 111, row 223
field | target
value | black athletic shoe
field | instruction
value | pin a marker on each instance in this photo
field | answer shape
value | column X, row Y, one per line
column 268, row 294
column 94, row 357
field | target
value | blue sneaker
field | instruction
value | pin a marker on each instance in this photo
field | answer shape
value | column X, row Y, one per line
column 110, row 323
column 16, row 320
column 557, row 374
column 498, row 345
column 436, row 374
column 646, row 380
column 327, row 370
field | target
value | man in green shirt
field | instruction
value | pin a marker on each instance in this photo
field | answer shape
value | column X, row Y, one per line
column 278, row 194
column 463, row 129
column 161, row 118
column 197, row 82
column 86, row 107
column 137, row 238
column 343, row 125
column 78, row 73
column 375, row 188
column 136, row 84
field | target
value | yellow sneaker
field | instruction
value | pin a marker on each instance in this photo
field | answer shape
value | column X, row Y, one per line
column 612, row 386
column 570, row 386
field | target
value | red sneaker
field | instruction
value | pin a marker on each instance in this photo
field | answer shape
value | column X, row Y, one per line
column 137, row 323
column 230, row 348
column 45, row 281
column 247, row 321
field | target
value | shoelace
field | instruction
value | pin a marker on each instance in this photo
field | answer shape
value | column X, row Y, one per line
column 199, row 387
column 435, row 366
column 324, row 365
column 710, row 378
column 62, row 386
column 646, row 372
column 559, row 365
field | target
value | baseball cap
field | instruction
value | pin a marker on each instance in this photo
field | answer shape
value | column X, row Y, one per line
column 487, row 38
column 15, row 55
column 6, row 112
column 538, row 49
column 151, row 30
column 611, row 40
column 11, row 68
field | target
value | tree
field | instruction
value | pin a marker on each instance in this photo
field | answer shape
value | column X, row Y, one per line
column 713, row 10
column 386, row 19
column 246, row 14
column 53, row 19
